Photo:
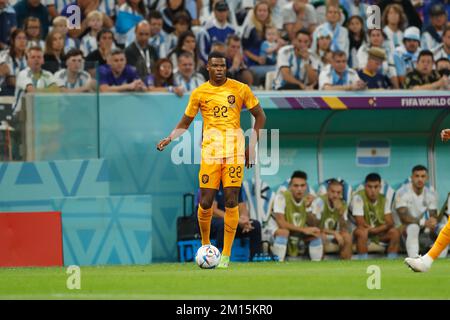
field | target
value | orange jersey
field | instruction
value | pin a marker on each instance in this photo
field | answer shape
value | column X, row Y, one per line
column 221, row 111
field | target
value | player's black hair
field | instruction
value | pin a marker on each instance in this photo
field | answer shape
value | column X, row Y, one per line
column 216, row 54
column 299, row 174
column 419, row 167
column 425, row 53
column 334, row 181
column 373, row 177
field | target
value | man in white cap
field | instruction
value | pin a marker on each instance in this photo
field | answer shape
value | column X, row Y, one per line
column 405, row 56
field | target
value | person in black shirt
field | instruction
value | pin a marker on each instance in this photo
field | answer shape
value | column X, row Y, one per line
column 105, row 40
column 423, row 77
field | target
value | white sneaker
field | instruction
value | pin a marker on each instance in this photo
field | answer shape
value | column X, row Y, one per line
column 417, row 264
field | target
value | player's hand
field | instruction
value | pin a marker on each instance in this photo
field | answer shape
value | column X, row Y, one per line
column 445, row 135
column 431, row 223
column 249, row 158
column 339, row 239
column 163, row 143
column 308, row 200
column 312, row 231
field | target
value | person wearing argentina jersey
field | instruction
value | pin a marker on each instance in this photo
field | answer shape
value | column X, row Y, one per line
column 330, row 211
column 443, row 50
column 12, row 61
column 432, row 35
column 405, row 56
column 416, row 206
column 296, row 67
column 186, row 76
column 440, row 246
column 340, row 40
column 33, row 78
column 338, row 76
column 74, row 78
column 293, row 216
column 374, row 221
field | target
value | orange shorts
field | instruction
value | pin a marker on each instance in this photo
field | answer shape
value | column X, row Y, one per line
column 228, row 170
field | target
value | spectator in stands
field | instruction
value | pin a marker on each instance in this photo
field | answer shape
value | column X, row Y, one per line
column 216, row 29
column 298, row 15
column 394, row 20
column 405, row 56
column 33, row 78
column 163, row 78
column 330, row 212
column 253, row 37
column 140, row 54
column 32, row 8
column 55, row 7
column 185, row 43
column 60, row 24
column 89, row 40
column 413, row 18
column 172, row 8
column 32, row 27
column 246, row 227
column 340, row 40
column 339, row 77
column 12, row 61
column 236, row 66
column 8, row 21
column 186, row 76
column 294, row 220
column 157, row 36
column 118, row 76
column 357, row 37
column 423, row 77
column 354, row 8
column 296, row 67
column 129, row 15
column 443, row 67
column 181, row 24
column 371, row 74
column 54, row 52
column 270, row 46
column 443, row 50
column 374, row 221
column 98, row 57
column 106, row 7
column 323, row 53
column 377, row 39
column 416, row 205
column 432, row 35
column 74, row 78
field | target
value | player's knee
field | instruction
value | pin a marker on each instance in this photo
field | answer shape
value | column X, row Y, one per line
column 394, row 234
column 231, row 203
column 206, row 203
column 282, row 233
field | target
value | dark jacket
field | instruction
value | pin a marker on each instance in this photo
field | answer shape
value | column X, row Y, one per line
column 136, row 59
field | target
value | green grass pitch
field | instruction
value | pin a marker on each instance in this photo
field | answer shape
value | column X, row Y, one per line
column 264, row 280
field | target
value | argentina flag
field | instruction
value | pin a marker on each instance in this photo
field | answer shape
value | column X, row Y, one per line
column 373, row 153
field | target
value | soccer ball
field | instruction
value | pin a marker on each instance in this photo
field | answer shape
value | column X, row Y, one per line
column 207, row 257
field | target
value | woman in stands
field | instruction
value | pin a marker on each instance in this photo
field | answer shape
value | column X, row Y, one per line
column 54, row 52
column 185, row 43
column 163, row 79
column 12, row 61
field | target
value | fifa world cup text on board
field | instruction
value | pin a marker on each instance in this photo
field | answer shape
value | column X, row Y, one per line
column 425, row 102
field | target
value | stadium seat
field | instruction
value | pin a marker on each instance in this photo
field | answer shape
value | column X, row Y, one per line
column 270, row 77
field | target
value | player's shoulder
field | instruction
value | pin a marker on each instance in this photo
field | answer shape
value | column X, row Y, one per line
column 204, row 87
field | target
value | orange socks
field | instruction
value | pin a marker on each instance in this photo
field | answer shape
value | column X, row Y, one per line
column 231, row 223
column 441, row 242
column 204, row 221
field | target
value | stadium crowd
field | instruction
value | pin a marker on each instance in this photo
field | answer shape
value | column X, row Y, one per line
column 162, row 45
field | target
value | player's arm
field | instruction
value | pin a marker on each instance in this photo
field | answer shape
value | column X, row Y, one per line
column 361, row 222
column 389, row 223
column 260, row 121
column 283, row 224
column 405, row 217
column 445, row 135
column 181, row 128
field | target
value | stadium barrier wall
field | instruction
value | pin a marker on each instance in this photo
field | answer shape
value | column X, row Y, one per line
column 97, row 228
column 325, row 134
